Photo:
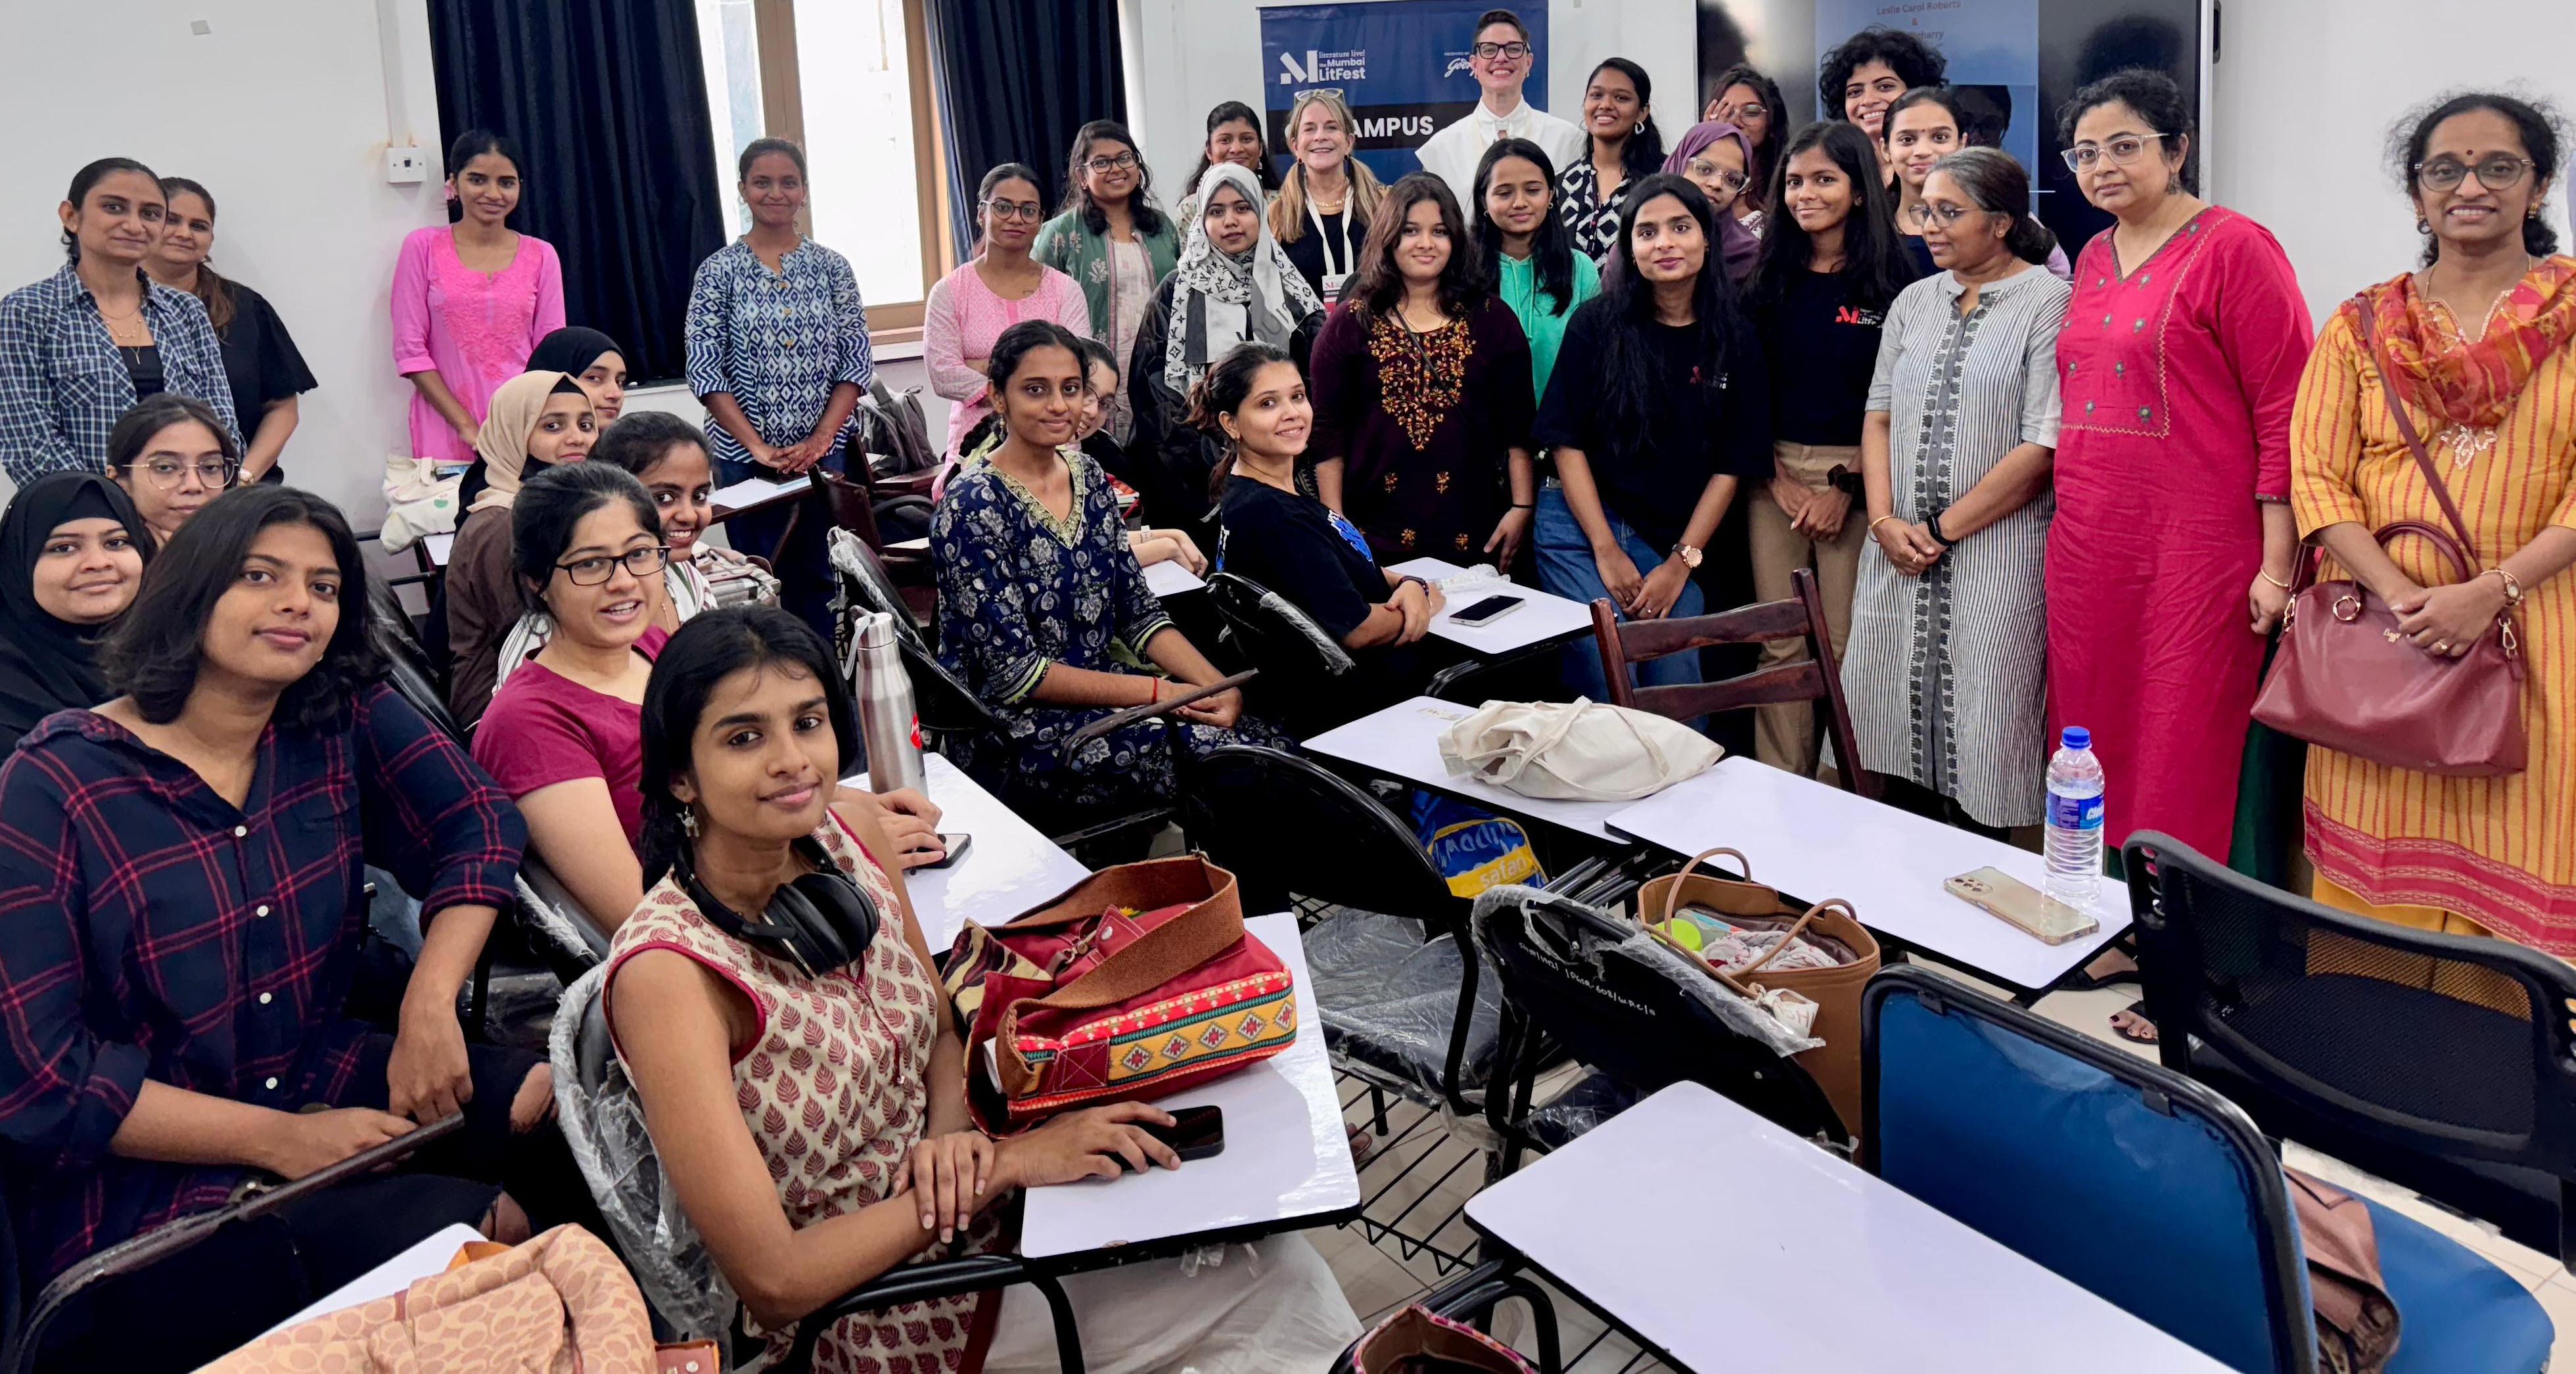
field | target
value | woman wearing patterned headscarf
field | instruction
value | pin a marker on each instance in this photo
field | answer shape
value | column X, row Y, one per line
column 536, row 420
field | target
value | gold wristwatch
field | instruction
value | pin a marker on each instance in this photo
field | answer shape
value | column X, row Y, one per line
column 1689, row 556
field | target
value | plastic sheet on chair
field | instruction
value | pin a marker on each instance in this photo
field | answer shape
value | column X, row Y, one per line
column 603, row 1123
column 1390, row 1003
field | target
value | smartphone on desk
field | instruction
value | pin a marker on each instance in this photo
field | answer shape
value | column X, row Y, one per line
column 1485, row 612
column 954, row 845
column 2045, row 918
column 1195, row 1133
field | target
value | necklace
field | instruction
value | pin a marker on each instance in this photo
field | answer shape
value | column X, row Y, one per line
column 121, row 328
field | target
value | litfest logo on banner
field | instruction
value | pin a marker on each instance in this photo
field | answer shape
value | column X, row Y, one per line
column 1320, row 67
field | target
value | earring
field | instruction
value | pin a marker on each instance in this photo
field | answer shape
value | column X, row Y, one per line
column 1641, row 127
column 2424, row 226
column 689, row 821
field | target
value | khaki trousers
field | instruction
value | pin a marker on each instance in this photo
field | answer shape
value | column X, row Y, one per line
column 1785, row 734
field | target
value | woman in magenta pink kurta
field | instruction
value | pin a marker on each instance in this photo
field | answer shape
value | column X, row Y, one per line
column 475, row 329
column 2178, row 380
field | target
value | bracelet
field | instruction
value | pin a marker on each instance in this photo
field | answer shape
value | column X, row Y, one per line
column 1524, row 505
column 1874, row 524
column 2512, row 584
column 2266, row 575
column 1932, row 526
column 1154, row 685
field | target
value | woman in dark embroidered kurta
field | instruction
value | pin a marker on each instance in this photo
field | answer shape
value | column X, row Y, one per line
column 1025, row 593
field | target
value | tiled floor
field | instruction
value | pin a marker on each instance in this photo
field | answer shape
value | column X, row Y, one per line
column 1380, row 1276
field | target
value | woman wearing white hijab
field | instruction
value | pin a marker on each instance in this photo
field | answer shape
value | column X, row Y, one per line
column 1233, row 285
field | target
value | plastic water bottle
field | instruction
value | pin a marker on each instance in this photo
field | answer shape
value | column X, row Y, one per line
column 2075, row 821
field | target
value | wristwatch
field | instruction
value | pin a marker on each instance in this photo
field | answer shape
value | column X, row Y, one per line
column 1844, row 480
column 1688, row 555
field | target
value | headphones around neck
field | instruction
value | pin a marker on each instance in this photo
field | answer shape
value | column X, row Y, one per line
column 820, row 922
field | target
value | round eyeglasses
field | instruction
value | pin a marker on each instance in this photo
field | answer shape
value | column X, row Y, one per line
column 2496, row 172
column 166, row 474
column 597, row 569
column 2122, row 151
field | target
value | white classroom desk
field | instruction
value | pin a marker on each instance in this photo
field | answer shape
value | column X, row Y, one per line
column 1007, row 869
column 1403, row 741
column 1286, row 1164
column 1543, row 615
column 430, row 1257
column 1815, row 841
column 754, row 493
column 1789, row 1258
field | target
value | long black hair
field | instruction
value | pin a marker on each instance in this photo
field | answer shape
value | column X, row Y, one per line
column 1077, row 186
column 1997, row 183
column 1551, row 248
column 2156, row 99
column 1379, row 286
column 2543, row 140
column 1875, row 264
column 86, row 179
column 1231, row 112
column 1775, row 129
column 711, row 647
column 1643, row 153
column 154, row 652
column 552, row 503
column 1631, row 367
column 641, row 439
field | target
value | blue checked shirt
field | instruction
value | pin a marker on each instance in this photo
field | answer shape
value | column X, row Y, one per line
column 63, row 383
column 777, row 342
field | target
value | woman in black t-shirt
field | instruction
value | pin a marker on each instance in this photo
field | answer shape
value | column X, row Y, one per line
column 1657, row 408
column 260, row 358
column 1253, row 401
column 1829, row 269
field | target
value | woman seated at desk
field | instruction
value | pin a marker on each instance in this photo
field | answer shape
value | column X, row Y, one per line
column 725, row 1028
column 1044, row 612
column 1253, row 403
column 180, row 880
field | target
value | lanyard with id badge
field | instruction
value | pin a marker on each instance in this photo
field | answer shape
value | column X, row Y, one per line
column 1337, row 271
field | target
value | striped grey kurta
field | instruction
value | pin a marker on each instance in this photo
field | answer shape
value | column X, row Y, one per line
column 1947, row 672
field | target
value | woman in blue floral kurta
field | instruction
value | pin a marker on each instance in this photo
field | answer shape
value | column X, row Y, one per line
column 1044, row 612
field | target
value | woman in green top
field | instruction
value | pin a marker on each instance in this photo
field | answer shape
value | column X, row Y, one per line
column 1111, row 240
column 1529, row 252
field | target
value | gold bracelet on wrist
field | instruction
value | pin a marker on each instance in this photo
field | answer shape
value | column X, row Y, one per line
column 2266, row 575
column 2512, row 584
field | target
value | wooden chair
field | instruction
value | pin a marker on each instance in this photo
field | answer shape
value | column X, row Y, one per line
column 1818, row 678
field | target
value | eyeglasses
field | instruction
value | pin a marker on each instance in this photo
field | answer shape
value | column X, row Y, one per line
column 595, row 571
column 1727, row 177
column 1490, row 51
column 1015, row 209
column 1120, row 163
column 166, row 473
column 2122, row 151
column 2500, row 172
column 1924, row 212
column 1738, row 114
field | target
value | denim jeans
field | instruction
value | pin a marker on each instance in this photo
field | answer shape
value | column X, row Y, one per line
column 1565, row 567
column 804, row 567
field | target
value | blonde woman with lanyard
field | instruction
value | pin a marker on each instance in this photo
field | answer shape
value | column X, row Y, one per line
column 1329, row 191
column 1233, row 286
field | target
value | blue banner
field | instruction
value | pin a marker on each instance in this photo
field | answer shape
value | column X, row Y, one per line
column 1401, row 65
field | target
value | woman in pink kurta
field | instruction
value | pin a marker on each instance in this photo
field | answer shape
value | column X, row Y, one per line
column 970, row 307
column 471, row 300
column 2170, row 560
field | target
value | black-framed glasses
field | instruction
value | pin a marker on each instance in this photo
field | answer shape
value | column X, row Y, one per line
column 1119, row 163
column 595, row 570
column 1924, row 212
column 1015, row 209
column 167, row 473
column 1490, row 51
column 2122, row 151
column 2496, row 172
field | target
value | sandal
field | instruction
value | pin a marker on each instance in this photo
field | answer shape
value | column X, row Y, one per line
column 2130, row 1023
column 2086, row 980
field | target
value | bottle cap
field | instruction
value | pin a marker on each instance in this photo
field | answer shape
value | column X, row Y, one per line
column 2076, row 737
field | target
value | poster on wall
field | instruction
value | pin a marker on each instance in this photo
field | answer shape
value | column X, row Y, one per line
column 1401, row 65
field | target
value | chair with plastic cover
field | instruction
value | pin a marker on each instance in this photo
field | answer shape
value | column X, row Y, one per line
column 603, row 1122
column 1308, row 682
column 2442, row 1062
column 2144, row 1187
column 554, row 925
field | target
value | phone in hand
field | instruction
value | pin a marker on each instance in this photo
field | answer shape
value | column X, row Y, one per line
column 2047, row 919
column 954, row 844
column 1486, row 612
column 1195, row 1133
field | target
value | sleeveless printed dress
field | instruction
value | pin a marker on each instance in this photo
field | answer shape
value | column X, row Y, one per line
column 834, row 1088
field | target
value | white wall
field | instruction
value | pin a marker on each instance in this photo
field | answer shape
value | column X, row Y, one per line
column 1187, row 56
column 2306, row 91
column 281, row 109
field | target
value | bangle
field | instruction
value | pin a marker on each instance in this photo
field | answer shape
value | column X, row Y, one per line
column 1874, row 524
column 2266, row 575
column 1524, row 505
column 1932, row 526
column 1154, row 685
column 2512, row 584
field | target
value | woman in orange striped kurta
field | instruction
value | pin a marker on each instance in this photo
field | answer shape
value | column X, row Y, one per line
column 2493, row 393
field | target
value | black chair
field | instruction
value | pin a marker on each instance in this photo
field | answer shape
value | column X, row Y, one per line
column 2442, row 1062
column 1403, row 1010
column 1584, row 981
column 1471, row 1298
column 1815, row 678
column 1307, row 682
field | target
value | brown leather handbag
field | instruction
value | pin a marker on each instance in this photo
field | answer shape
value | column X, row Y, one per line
column 2347, row 679
column 1829, row 925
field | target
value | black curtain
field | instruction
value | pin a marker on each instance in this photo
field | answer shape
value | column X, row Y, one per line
column 1015, row 79
column 608, row 103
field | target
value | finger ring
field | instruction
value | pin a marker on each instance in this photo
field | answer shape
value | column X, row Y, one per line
column 2442, row 648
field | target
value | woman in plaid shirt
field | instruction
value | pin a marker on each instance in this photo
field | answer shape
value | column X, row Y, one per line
column 181, row 909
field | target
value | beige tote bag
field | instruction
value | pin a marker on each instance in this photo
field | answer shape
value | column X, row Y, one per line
column 1575, row 750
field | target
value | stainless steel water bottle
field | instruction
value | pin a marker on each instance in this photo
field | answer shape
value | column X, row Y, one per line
column 888, row 723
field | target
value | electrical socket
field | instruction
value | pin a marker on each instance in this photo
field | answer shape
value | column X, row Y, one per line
column 406, row 166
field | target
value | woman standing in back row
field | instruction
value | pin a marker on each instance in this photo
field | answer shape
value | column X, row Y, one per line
column 260, row 358
column 2170, row 561
column 470, row 300
column 1112, row 241
column 1624, row 144
column 1321, row 214
column 999, row 287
